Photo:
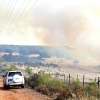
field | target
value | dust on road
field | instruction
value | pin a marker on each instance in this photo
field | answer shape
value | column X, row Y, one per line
column 17, row 93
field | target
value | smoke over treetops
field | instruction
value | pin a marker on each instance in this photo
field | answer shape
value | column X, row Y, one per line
column 71, row 23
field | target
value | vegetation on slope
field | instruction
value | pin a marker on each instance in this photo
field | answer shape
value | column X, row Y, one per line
column 54, row 87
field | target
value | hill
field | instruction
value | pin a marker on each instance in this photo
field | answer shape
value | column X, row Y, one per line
column 25, row 53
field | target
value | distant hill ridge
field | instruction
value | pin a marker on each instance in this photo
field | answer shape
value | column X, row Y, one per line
column 22, row 51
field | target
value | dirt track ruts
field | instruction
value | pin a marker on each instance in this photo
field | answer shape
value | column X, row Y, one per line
column 17, row 93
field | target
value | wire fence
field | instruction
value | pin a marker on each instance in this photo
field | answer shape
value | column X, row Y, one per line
column 83, row 80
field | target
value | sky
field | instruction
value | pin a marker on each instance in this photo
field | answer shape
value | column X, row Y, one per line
column 73, row 23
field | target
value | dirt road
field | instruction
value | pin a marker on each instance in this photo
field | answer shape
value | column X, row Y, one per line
column 20, row 94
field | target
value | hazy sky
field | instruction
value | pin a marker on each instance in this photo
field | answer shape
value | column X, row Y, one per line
column 73, row 23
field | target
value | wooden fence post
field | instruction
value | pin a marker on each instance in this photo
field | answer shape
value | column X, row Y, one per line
column 69, row 78
column 83, row 79
column 77, row 78
column 64, row 78
column 95, row 79
column 98, row 82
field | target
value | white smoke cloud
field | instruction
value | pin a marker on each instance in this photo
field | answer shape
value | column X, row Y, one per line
column 65, row 22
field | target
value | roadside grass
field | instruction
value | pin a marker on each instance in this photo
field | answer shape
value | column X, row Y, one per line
column 55, row 88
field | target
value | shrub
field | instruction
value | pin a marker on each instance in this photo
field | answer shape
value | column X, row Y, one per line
column 4, row 69
column 42, row 89
column 78, row 92
column 91, row 90
column 38, row 88
column 65, row 86
column 8, row 68
column 43, row 78
column 31, row 81
column 55, row 82
column 45, row 91
column 64, row 95
column 27, row 81
column 75, row 83
column 55, row 89
column 32, row 84
column 93, row 84
column 98, row 94
column 29, row 70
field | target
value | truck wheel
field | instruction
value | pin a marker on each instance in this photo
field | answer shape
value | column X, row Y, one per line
column 6, row 87
column 22, row 86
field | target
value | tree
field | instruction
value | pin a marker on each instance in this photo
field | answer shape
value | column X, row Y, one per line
column 12, row 67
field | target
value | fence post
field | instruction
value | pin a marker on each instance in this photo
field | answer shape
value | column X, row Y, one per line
column 77, row 78
column 98, row 82
column 95, row 79
column 69, row 78
column 83, row 79
column 64, row 78
column 59, row 76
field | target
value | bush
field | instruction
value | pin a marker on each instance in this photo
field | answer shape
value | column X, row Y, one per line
column 98, row 94
column 64, row 95
column 93, row 84
column 38, row 88
column 4, row 69
column 55, row 82
column 8, row 68
column 55, row 89
column 32, row 80
column 78, row 92
column 32, row 85
column 29, row 70
column 42, row 89
column 91, row 89
column 27, row 81
column 75, row 83
column 45, row 91
column 45, row 84
column 43, row 78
